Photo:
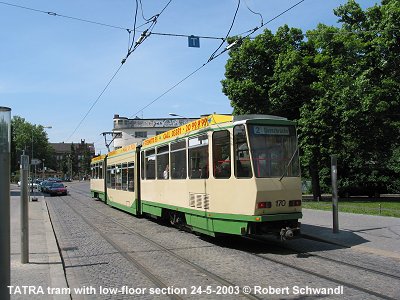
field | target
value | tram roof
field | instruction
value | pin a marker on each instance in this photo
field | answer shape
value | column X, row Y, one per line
column 98, row 158
column 208, row 121
column 122, row 150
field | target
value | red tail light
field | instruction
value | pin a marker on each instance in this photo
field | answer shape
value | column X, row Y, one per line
column 295, row 203
column 264, row 205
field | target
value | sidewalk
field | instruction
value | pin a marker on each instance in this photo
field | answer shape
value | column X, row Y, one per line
column 44, row 269
column 372, row 234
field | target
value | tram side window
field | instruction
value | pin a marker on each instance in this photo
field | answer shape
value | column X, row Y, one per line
column 142, row 164
column 198, row 157
column 241, row 152
column 150, row 162
column 178, row 160
column 131, row 177
column 118, row 177
column 92, row 171
column 124, row 171
column 112, row 185
column 221, row 154
column 100, row 172
column 163, row 162
column 109, row 177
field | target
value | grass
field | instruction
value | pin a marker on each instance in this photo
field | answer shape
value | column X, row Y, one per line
column 372, row 207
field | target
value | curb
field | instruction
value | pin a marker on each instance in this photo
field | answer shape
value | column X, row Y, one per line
column 57, row 274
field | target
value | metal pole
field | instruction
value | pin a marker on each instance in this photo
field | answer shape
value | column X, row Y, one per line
column 32, row 176
column 24, row 209
column 334, row 194
column 5, row 142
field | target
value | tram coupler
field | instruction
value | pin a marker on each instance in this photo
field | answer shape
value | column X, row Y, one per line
column 289, row 233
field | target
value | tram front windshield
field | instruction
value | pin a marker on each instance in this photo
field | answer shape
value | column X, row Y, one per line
column 274, row 150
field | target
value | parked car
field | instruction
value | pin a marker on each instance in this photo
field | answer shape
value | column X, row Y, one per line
column 45, row 185
column 35, row 184
column 57, row 188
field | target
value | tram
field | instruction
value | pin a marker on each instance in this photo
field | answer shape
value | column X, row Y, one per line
column 218, row 175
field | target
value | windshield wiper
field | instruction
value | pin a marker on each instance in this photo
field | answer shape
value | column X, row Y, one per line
column 289, row 163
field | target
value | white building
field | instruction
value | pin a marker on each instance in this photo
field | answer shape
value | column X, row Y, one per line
column 129, row 131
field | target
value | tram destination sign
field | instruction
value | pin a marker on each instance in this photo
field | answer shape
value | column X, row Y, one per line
column 271, row 130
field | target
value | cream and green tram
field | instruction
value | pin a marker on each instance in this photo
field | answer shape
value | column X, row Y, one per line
column 224, row 175
column 97, row 183
column 121, row 179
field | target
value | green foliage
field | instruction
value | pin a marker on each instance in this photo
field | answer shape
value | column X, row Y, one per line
column 365, row 207
column 341, row 84
column 29, row 138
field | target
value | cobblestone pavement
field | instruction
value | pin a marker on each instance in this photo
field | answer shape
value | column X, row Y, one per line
column 104, row 248
column 43, row 254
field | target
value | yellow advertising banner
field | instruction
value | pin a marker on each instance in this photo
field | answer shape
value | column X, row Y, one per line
column 189, row 127
column 125, row 149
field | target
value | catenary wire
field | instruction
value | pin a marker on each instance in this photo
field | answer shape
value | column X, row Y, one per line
column 172, row 34
column 210, row 60
column 115, row 74
column 229, row 31
column 256, row 13
column 50, row 13
column 95, row 102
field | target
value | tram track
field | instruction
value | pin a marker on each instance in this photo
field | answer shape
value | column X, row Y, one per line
column 221, row 281
column 153, row 278
column 341, row 262
column 337, row 281
column 285, row 264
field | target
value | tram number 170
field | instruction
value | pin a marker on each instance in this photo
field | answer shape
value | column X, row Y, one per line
column 280, row 203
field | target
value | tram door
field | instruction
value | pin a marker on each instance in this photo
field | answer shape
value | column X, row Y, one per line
column 138, row 168
column 104, row 176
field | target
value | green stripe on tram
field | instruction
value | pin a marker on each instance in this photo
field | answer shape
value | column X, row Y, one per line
column 98, row 194
column 130, row 209
column 211, row 223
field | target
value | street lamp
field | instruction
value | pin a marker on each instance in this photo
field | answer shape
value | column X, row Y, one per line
column 187, row 120
column 43, row 169
column 176, row 115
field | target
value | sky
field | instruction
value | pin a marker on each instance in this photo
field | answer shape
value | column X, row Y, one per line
column 58, row 71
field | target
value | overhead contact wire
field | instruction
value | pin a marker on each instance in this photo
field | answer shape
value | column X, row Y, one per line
column 95, row 102
column 212, row 58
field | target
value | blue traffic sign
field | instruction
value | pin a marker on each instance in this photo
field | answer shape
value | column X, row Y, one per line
column 194, row 41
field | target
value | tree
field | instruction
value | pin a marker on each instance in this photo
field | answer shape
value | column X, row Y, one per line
column 341, row 84
column 29, row 138
column 249, row 73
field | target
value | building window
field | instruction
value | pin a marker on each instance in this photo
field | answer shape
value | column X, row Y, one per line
column 140, row 134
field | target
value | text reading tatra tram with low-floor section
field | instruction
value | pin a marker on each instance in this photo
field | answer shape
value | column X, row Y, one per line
column 220, row 174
